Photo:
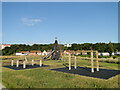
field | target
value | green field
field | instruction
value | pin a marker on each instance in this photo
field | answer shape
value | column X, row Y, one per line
column 43, row 77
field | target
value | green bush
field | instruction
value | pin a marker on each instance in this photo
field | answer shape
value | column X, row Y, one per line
column 103, row 56
column 115, row 57
column 84, row 55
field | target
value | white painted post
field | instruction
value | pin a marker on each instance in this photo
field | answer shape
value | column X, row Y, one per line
column 11, row 62
column 40, row 63
column 25, row 59
column 97, row 63
column 75, row 63
column 17, row 63
column 32, row 62
column 92, row 67
column 24, row 64
column 69, row 61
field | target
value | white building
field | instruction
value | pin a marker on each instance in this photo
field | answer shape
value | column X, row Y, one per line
column 117, row 53
column 20, row 54
column 113, row 53
column 104, row 54
column 44, row 53
column 67, row 45
column 2, row 46
column 99, row 54
column 39, row 53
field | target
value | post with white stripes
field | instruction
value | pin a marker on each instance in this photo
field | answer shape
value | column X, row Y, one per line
column 40, row 63
column 69, row 61
column 25, row 58
column 17, row 63
column 24, row 64
column 75, row 63
column 92, row 66
column 97, row 63
column 32, row 62
column 11, row 62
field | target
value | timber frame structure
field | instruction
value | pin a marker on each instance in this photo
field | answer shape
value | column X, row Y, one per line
column 24, row 62
column 92, row 63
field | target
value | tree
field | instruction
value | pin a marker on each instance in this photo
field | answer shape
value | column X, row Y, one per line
column 110, row 48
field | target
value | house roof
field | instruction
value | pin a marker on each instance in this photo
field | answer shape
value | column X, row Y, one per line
column 67, row 50
column 39, row 52
column 23, row 51
column 33, row 51
column 7, row 45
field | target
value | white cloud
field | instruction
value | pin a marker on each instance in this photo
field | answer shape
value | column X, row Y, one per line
column 36, row 20
column 30, row 22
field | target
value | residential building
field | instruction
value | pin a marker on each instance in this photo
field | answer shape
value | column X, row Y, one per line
column 44, row 53
column 84, row 53
column 22, row 53
column 33, row 53
column 39, row 53
column 2, row 46
column 117, row 53
column 67, row 52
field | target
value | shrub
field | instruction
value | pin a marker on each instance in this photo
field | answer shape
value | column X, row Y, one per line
column 114, row 57
column 84, row 55
column 103, row 56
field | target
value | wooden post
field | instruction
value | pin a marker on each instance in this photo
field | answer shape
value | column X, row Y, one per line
column 92, row 66
column 17, row 63
column 25, row 59
column 75, row 63
column 11, row 62
column 97, row 63
column 62, row 57
column 32, row 62
column 24, row 64
column 40, row 63
column 69, row 61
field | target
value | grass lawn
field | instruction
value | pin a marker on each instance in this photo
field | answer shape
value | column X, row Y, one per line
column 43, row 77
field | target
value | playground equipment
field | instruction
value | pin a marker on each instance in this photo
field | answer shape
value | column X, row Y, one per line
column 55, row 54
column 49, row 54
column 92, row 65
column 25, row 62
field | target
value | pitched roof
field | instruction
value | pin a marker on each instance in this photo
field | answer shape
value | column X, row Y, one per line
column 39, row 52
column 23, row 51
column 33, row 51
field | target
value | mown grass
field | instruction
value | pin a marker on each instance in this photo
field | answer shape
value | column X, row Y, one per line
column 45, row 78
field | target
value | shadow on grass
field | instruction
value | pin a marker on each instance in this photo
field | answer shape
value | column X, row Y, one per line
column 27, row 66
column 85, row 71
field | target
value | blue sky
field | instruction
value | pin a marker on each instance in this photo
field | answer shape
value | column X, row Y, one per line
column 33, row 22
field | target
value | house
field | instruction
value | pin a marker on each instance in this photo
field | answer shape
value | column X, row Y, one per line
column 113, row 53
column 19, row 54
column 99, row 54
column 22, row 53
column 105, row 54
column 67, row 52
column 39, row 53
column 84, row 53
column 44, row 53
column 33, row 53
column 78, row 52
column 117, row 53
column 2, row 46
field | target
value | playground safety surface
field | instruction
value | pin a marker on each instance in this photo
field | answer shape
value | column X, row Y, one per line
column 27, row 66
column 85, row 71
